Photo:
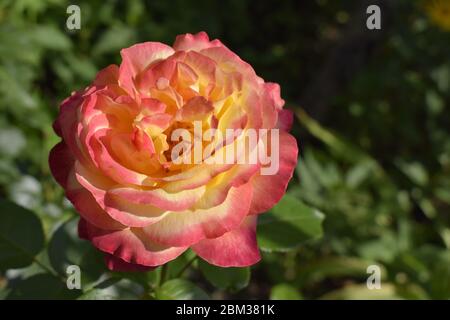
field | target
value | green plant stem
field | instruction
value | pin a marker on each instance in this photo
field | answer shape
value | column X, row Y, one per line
column 163, row 275
column 186, row 266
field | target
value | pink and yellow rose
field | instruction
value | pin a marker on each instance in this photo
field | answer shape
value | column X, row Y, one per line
column 137, row 205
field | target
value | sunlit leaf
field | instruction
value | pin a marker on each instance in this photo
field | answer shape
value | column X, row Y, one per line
column 362, row 292
column 285, row 291
column 66, row 249
column 179, row 289
column 288, row 225
column 233, row 279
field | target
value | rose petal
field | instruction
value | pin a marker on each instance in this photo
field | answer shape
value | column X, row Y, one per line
column 136, row 58
column 273, row 90
column 116, row 264
column 61, row 162
column 131, row 245
column 188, row 227
column 160, row 198
column 196, row 109
column 108, row 75
column 285, row 120
column 269, row 189
column 196, row 42
column 128, row 214
column 237, row 248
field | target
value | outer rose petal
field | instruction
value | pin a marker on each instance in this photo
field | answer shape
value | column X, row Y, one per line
column 269, row 189
column 60, row 162
column 115, row 264
column 195, row 42
column 108, row 75
column 88, row 208
column 130, row 245
column 66, row 123
column 237, row 248
column 285, row 120
column 229, row 61
column 62, row 168
column 273, row 89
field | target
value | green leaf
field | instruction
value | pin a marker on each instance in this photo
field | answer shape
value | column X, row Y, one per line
column 21, row 236
column 114, row 288
column 361, row 292
column 176, row 266
column 336, row 267
column 97, row 294
column 434, row 102
column 337, row 144
column 114, row 39
column 288, row 225
column 180, row 289
column 66, row 248
column 42, row 286
column 51, row 38
column 233, row 279
column 415, row 171
column 284, row 291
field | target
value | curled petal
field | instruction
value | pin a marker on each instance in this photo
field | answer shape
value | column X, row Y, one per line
column 269, row 189
column 128, row 214
column 116, row 264
column 87, row 206
column 155, row 124
column 62, row 166
column 110, row 166
column 131, row 245
column 194, row 177
column 188, row 227
column 108, row 75
column 273, row 91
column 196, row 42
column 217, row 189
column 157, row 75
column 136, row 58
column 237, row 248
column 285, row 120
column 160, row 198
column 229, row 62
column 197, row 108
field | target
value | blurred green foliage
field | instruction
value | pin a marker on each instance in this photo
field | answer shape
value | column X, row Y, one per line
column 375, row 163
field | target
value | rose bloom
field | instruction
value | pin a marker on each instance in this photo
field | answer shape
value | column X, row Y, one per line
column 114, row 161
